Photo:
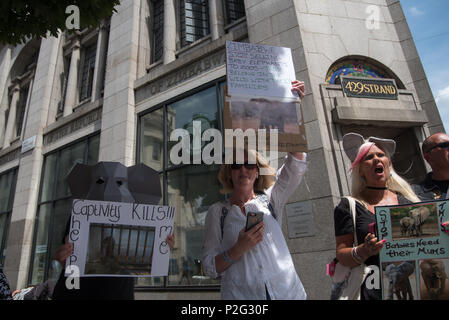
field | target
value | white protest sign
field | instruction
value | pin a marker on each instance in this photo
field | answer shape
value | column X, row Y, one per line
column 259, row 70
column 120, row 239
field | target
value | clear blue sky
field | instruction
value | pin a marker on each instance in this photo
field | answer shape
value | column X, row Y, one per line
column 429, row 23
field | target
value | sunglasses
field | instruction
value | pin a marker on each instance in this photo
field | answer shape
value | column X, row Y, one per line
column 442, row 145
column 248, row 166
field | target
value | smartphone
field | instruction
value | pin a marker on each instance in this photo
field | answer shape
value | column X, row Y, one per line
column 372, row 228
column 253, row 218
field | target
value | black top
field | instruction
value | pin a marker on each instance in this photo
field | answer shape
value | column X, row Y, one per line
column 430, row 189
column 344, row 225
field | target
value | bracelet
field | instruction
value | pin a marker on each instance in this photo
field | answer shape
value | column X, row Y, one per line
column 356, row 256
column 226, row 257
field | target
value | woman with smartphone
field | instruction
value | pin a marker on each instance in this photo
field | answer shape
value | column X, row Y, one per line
column 253, row 261
column 374, row 183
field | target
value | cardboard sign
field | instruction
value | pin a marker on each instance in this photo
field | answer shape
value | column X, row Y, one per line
column 414, row 261
column 259, row 70
column 120, row 239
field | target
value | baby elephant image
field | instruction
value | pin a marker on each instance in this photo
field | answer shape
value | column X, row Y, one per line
column 399, row 283
column 407, row 226
column 434, row 276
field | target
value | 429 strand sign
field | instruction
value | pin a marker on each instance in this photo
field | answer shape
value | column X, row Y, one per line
column 369, row 88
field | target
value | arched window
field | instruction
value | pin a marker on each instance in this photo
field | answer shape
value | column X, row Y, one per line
column 21, row 77
column 360, row 67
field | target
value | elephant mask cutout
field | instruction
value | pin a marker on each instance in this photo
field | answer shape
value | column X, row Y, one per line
column 112, row 181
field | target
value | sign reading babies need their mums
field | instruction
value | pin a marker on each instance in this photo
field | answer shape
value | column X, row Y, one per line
column 414, row 260
column 120, row 239
column 259, row 97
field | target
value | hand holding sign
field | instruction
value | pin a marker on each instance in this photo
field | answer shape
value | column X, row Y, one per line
column 299, row 87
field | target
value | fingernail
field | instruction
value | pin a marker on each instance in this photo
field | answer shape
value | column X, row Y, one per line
column 384, row 240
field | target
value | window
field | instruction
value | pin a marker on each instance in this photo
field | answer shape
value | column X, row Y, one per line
column 194, row 18
column 190, row 188
column 55, row 203
column 87, row 72
column 21, row 107
column 7, row 189
column 235, row 9
column 157, row 30
column 63, row 78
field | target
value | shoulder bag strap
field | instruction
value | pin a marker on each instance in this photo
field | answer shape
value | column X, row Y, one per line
column 352, row 204
column 264, row 198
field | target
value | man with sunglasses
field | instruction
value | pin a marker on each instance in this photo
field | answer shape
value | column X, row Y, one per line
column 435, row 150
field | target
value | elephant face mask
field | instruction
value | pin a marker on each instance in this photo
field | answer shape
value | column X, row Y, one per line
column 112, row 181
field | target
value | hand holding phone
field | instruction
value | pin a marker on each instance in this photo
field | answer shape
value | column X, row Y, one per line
column 253, row 218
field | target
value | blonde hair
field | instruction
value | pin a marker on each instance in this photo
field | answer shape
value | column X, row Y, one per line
column 262, row 182
column 394, row 182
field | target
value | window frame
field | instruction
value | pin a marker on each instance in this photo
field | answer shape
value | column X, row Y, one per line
column 182, row 32
column 87, row 139
column 8, row 212
column 167, row 168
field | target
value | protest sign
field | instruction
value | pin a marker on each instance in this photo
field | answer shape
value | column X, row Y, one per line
column 259, row 70
column 415, row 257
column 120, row 239
column 259, row 95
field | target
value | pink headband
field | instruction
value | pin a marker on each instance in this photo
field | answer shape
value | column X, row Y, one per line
column 363, row 151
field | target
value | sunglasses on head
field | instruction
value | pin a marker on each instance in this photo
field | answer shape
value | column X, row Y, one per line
column 442, row 145
column 249, row 166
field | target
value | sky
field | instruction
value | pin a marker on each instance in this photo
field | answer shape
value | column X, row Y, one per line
column 428, row 22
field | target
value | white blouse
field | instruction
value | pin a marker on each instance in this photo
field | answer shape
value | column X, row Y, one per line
column 269, row 264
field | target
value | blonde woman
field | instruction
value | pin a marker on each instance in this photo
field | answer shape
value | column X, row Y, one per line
column 254, row 264
column 374, row 183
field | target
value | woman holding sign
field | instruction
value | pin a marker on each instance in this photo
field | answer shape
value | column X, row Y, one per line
column 374, row 183
column 243, row 240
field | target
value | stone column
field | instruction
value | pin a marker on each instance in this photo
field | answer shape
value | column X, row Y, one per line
column 72, row 82
column 216, row 18
column 100, row 61
column 169, row 31
column 11, row 124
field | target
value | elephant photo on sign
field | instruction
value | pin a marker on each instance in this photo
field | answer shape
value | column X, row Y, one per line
column 415, row 221
column 433, row 277
column 399, row 280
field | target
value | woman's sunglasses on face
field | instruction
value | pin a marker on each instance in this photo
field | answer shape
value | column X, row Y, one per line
column 442, row 145
column 248, row 166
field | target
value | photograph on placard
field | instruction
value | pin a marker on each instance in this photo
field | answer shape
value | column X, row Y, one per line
column 119, row 249
column 433, row 279
column 399, row 280
column 282, row 115
column 414, row 221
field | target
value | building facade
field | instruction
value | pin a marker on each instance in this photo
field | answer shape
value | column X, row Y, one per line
column 116, row 93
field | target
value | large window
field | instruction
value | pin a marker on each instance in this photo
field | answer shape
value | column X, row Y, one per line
column 194, row 18
column 21, row 107
column 55, row 202
column 190, row 188
column 7, row 189
column 235, row 9
column 157, row 27
column 87, row 72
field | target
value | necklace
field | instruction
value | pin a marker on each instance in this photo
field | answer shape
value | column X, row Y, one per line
column 376, row 188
